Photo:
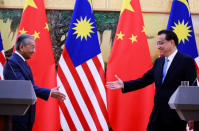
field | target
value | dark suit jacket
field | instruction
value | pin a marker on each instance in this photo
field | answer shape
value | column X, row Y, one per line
column 182, row 68
column 16, row 68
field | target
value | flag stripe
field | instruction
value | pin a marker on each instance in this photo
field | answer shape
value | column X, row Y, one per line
column 95, row 88
column 74, row 86
column 67, row 116
column 197, row 68
column 197, row 61
column 2, row 62
column 70, row 108
column 72, row 98
column 1, row 72
column 99, row 67
column 97, row 79
column 2, row 58
column 64, row 124
column 92, row 97
column 83, row 92
column 101, row 60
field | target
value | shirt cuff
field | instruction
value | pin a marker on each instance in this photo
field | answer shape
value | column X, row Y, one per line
column 50, row 92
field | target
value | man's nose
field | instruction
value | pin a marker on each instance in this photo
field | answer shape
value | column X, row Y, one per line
column 33, row 50
column 158, row 46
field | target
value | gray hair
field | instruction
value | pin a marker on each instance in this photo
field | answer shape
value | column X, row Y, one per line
column 22, row 39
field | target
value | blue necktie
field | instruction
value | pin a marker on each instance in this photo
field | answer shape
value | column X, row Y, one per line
column 164, row 69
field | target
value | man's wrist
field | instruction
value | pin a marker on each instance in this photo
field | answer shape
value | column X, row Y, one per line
column 123, row 85
column 50, row 92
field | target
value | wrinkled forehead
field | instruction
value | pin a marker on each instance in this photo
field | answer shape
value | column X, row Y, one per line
column 30, row 41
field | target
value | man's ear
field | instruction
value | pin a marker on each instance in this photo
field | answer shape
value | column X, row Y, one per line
column 173, row 42
column 21, row 47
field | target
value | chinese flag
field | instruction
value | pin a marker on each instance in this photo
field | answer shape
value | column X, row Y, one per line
column 130, row 59
column 34, row 22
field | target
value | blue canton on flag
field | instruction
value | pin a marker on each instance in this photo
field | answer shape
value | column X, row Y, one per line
column 181, row 23
column 82, row 40
column 81, row 74
column 2, row 58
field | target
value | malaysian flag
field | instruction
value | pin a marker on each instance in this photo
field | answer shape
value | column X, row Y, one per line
column 181, row 23
column 2, row 58
column 81, row 74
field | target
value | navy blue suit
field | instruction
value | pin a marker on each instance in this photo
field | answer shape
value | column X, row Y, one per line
column 162, row 117
column 16, row 68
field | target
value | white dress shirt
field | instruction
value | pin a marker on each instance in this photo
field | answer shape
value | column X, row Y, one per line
column 20, row 55
column 171, row 57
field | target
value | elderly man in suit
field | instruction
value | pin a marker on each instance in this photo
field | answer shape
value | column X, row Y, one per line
column 16, row 68
column 167, row 72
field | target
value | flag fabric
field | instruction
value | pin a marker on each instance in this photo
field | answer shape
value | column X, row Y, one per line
column 181, row 23
column 81, row 74
column 34, row 22
column 2, row 59
column 129, row 59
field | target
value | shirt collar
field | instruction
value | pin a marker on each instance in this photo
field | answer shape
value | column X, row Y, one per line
column 172, row 55
column 20, row 55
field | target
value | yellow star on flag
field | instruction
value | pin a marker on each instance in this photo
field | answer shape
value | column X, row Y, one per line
column 120, row 36
column 23, row 31
column 30, row 3
column 133, row 38
column 144, row 29
column 36, row 35
column 126, row 6
column 46, row 27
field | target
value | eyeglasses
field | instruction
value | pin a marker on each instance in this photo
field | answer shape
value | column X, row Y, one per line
column 30, row 46
column 159, row 43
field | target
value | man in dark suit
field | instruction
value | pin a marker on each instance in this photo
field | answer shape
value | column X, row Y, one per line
column 16, row 68
column 167, row 72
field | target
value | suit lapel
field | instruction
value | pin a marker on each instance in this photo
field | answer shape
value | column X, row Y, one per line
column 172, row 67
column 160, row 70
column 28, row 70
column 24, row 67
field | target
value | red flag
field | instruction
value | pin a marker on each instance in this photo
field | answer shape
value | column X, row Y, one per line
column 130, row 59
column 34, row 22
column 2, row 58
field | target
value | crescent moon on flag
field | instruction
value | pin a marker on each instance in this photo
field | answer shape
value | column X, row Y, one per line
column 90, row 4
column 186, row 4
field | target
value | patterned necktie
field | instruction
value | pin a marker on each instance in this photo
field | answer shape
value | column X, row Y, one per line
column 164, row 69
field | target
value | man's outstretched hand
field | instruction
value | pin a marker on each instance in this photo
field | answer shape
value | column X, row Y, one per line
column 55, row 93
column 118, row 84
